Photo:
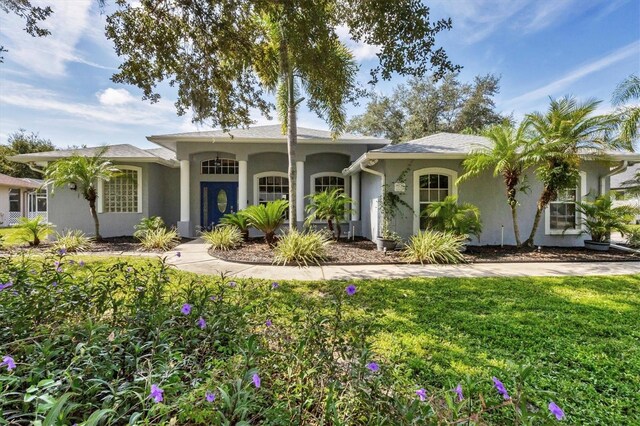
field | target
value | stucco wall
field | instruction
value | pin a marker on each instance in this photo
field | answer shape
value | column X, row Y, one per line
column 370, row 190
column 68, row 210
column 4, row 206
column 488, row 194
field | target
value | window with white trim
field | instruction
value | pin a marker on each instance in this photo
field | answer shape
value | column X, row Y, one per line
column 219, row 166
column 121, row 194
column 561, row 216
column 272, row 187
column 328, row 183
column 433, row 188
column 14, row 200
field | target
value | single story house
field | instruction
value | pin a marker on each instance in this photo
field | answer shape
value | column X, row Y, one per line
column 21, row 197
column 193, row 179
column 626, row 185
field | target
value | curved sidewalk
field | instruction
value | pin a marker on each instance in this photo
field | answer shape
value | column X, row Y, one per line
column 195, row 258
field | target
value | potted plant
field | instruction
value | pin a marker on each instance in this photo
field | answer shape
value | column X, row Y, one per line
column 601, row 217
column 461, row 219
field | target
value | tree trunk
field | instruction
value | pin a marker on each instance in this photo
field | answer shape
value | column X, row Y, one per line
column 96, row 221
column 516, row 228
column 292, row 142
column 547, row 195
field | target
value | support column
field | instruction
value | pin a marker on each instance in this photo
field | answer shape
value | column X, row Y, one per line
column 242, row 184
column 355, row 194
column 300, row 193
column 184, row 226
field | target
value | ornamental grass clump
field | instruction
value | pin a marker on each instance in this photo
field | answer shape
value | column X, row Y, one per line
column 301, row 248
column 434, row 247
column 223, row 238
column 72, row 241
column 159, row 239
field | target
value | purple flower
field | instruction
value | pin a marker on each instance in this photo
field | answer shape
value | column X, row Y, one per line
column 55, row 283
column 156, row 393
column 62, row 251
column 373, row 366
column 500, row 387
column 422, row 394
column 232, row 284
column 59, row 269
column 556, row 411
column 6, row 285
column 9, row 362
column 178, row 254
column 256, row 380
column 186, row 309
column 274, row 285
column 268, row 323
column 458, row 390
column 81, row 263
column 56, row 263
column 351, row 289
column 129, row 269
column 210, row 396
column 202, row 323
column 214, row 298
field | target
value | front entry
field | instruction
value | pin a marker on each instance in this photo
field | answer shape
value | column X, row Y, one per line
column 216, row 200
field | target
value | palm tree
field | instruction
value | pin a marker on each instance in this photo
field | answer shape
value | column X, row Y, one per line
column 450, row 216
column 332, row 206
column 325, row 70
column 626, row 91
column 566, row 131
column 267, row 218
column 85, row 173
column 505, row 155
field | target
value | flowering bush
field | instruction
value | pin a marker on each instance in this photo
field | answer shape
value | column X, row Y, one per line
column 137, row 343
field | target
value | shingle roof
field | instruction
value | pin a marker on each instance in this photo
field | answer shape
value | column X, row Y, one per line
column 626, row 178
column 273, row 131
column 13, row 182
column 439, row 143
column 114, row 152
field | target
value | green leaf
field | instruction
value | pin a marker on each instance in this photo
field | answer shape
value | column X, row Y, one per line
column 54, row 414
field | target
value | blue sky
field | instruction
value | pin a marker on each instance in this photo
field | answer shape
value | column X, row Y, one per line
column 60, row 86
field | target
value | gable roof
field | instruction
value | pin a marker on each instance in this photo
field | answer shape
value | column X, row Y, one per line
column 627, row 178
column 120, row 152
column 263, row 134
column 13, row 182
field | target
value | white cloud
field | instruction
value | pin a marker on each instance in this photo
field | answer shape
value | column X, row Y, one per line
column 47, row 56
column 555, row 87
column 361, row 51
column 112, row 97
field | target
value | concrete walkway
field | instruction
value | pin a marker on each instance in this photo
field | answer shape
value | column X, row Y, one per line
column 194, row 258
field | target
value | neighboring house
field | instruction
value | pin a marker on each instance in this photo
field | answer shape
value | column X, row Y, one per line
column 195, row 178
column 20, row 197
column 627, row 187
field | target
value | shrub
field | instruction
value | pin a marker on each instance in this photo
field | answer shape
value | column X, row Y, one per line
column 267, row 218
column 34, row 230
column 601, row 217
column 223, row 237
column 301, row 248
column 159, row 239
column 147, row 224
column 331, row 206
column 238, row 220
column 633, row 236
column 451, row 216
column 72, row 241
column 434, row 247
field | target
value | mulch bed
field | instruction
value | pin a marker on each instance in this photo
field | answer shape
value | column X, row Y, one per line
column 362, row 251
column 112, row 244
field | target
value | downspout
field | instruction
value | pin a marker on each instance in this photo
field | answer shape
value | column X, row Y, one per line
column 383, row 183
column 620, row 169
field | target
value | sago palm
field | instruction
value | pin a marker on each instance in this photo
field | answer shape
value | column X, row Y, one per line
column 85, row 172
column 565, row 132
column 332, row 206
column 505, row 157
column 267, row 218
column 450, row 216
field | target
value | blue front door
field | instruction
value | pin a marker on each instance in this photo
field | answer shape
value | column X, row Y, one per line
column 216, row 200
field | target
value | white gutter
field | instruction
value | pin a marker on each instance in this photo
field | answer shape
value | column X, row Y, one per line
column 374, row 172
column 620, row 169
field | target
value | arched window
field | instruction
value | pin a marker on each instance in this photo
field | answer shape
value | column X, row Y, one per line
column 123, row 193
column 430, row 185
column 327, row 181
column 219, row 166
column 270, row 186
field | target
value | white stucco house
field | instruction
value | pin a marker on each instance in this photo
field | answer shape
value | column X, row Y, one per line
column 21, row 198
column 192, row 179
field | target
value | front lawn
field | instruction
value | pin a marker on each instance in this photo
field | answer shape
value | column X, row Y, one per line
column 104, row 332
column 9, row 237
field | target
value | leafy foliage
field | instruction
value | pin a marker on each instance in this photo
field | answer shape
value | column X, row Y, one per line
column 633, row 236
column 32, row 15
column 21, row 142
column 330, row 205
column 601, row 217
column 238, row 220
column 34, row 230
column 423, row 107
column 629, row 115
column 434, row 247
column 160, row 239
column 72, row 241
column 85, row 172
column 450, row 216
column 152, row 223
column 301, row 248
column 223, row 237
column 267, row 218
